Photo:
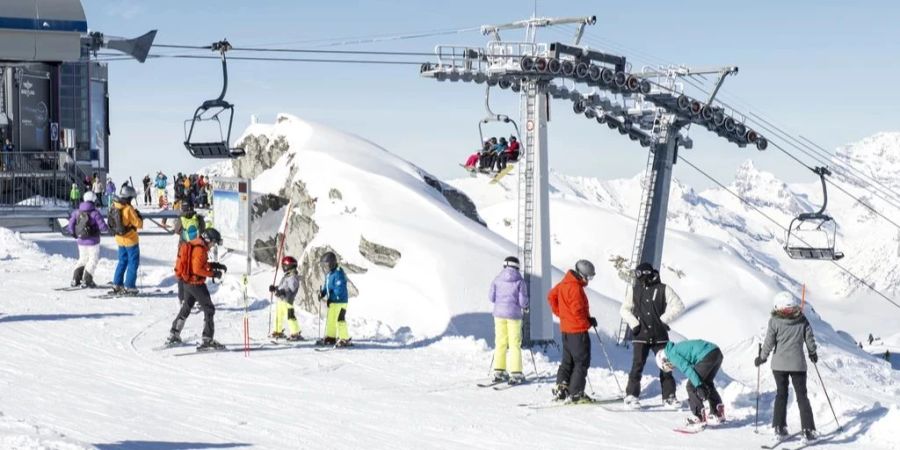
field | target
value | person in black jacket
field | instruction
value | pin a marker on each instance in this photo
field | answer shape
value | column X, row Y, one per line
column 648, row 308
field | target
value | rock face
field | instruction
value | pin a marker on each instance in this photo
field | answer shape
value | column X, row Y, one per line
column 261, row 155
column 378, row 254
column 458, row 200
column 265, row 250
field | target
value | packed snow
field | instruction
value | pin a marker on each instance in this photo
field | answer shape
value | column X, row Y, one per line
column 81, row 372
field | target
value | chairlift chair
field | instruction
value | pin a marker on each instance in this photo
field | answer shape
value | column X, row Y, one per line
column 210, row 111
column 812, row 236
column 492, row 117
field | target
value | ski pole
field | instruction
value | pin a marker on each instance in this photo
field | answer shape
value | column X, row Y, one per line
column 533, row 362
column 491, row 366
column 608, row 361
column 287, row 220
column 756, row 421
column 840, row 428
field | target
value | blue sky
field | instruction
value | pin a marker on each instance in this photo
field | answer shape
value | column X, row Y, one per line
column 824, row 69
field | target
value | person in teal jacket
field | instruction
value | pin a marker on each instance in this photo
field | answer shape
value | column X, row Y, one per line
column 334, row 293
column 699, row 361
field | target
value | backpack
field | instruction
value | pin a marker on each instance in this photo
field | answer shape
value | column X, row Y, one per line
column 85, row 227
column 183, row 262
column 115, row 222
column 190, row 228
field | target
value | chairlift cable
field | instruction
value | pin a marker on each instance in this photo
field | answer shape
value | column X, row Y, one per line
column 274, row 59
column 761, row 212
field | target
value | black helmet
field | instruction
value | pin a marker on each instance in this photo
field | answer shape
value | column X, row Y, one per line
column 646, row 271
column 503, row 140
column 329, row 260
column 187, row 209
column 211, row 235
column 511, row 261
column 127, row 193
column 585, row 269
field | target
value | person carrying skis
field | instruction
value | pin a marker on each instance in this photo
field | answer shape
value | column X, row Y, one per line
column 788, row 331
column 648, row 308
column 86, row 224
column 124, row 221
column 699, row 361
column 286, row 291
column 569, row 302
column 510, row 298
column 74, row 196
column 193, row 267
column 334, row 293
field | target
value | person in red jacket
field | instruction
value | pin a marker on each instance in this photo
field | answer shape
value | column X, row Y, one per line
column 570, row 303
column 193, row 268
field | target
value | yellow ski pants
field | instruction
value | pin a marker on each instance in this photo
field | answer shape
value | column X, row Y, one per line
column 507, row 336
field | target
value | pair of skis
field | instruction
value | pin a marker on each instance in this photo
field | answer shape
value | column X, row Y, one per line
column 145, row 294
column 560, row 404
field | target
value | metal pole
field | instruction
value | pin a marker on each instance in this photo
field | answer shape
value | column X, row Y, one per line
column 663, row 160
column 840, row 428
column 756, row 421
column 609, row 362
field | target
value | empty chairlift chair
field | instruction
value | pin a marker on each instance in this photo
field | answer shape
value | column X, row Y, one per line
column 206, row 147
column 813, row 235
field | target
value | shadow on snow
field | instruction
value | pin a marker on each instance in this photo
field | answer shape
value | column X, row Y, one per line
column 163, row 445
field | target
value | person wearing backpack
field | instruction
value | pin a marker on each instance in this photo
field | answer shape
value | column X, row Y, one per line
column 188, row 227
column 193, row 267
column 74, row 196
column 86, row 224
column 124, row 221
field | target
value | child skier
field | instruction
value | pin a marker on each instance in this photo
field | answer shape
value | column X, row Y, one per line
column 334, row 293
column 569, row 302
column 699, row 361
column 510, row 298
column 788, row 331
column 193, row 267
column 86, row 224
column 286, row 291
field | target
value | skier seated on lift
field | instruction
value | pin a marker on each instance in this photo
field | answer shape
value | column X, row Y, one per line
column 499, row 152
column 472, row 161
column 512, row 152
column 486, row 159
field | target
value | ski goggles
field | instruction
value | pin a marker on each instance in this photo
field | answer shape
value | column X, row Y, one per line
column 642, row 273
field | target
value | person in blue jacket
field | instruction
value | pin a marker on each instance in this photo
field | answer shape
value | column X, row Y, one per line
column 699, row 361
column 334, row 293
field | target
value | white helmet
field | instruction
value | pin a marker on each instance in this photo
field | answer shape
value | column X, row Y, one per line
column 785, row 300
column 89, row 197
column 662, row 361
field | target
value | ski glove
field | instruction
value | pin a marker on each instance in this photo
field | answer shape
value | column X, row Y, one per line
column 636, row 330
column 758, row 361
column 218, row 266
column 814, row 358
column 273, row 289
column 703, row 392
column 217, row 273
column 593, row 322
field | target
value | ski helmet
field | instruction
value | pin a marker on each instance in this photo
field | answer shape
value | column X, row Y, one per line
column 511, row 261
column 288, row 263
column 662, row 361
column 585, row 269
column 785, row 300
column 127, row 192
column 211, row 235
column 329, row 261
column 187, row 208
column 89, row 197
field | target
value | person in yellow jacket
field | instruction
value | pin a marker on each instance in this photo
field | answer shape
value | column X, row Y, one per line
column 124, row 221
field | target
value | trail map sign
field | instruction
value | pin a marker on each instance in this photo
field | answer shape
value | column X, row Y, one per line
column 231, row 212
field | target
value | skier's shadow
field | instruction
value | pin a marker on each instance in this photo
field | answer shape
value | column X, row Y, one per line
column 55, row 317
column 162, row 445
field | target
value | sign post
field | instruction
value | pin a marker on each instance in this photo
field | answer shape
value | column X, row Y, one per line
column 231, row 213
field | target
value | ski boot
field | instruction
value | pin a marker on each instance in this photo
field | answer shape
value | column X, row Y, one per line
column 326, row 341
column 560, row 392
column 516, row 378
column 671, row 403
column 781, row 433
column 500, row 376
column 809, row 436
column 277, row 335
column 88, row 281
column 718, row 416
column 210, row 345
column 117, row 290
column 132, row 292
column 581, row 398
column 696, row 421
column 632, row 402
column 343, row 343
column 295, row 337
column 76, row 277
column 173, row 340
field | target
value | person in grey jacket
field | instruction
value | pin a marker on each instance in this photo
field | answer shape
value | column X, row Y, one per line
column 788, row 331
column 286, row 291
column 648, row 308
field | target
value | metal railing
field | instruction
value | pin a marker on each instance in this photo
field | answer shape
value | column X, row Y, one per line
column 36, row 179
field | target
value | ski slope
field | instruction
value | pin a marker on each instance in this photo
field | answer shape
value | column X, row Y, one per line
column 81, row 372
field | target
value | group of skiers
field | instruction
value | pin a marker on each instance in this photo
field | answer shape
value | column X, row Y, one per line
column 494, row 155
column 648, row 308
column 195, row 189
column 93, row 184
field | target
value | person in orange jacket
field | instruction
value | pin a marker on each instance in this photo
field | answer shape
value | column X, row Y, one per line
column 569, row 302
column 193, row 268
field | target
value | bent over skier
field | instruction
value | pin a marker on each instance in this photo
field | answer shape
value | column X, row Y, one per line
column 699, row 361
column 569, row 302
column 286, row 291
column 787, row 332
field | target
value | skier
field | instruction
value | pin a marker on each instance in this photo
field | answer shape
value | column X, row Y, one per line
column 510, row 298
column 648, row 308
column 887, row 356
column 188, row 227
column 193, row 267
column 788, row 331
column 499, row 152
column 569, row 302
column 124, row 221
column 334, row 293
column 74, row 196
column 871, row 338
column 97, row 188
column 512, row 152
column 286, row 291
column 147, row 196
column 86, row 224
column 699, row 361
column 110, row 192
column 160, row 183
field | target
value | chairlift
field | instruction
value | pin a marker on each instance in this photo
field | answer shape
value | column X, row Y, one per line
column 210, row 111
column 492, row 117
column 812, row 235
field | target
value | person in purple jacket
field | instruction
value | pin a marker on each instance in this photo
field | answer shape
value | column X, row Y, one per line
column 85, row 225
column 510, row 298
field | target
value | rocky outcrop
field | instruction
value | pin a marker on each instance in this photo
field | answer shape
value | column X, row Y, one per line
column 378, row 254
column 458, row 200
column 261, row 155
